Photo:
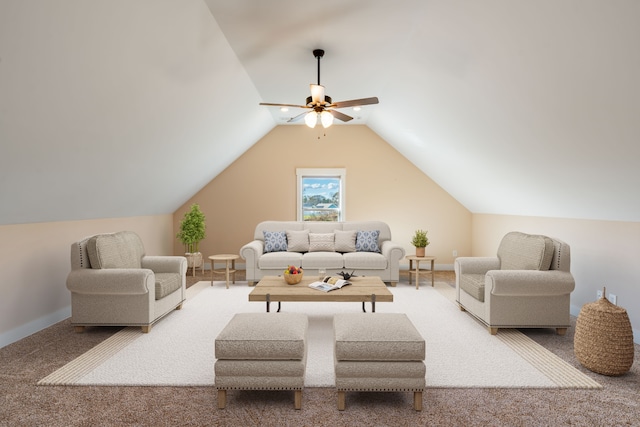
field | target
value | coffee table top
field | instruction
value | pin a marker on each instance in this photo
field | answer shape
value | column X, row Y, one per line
column 360, row 290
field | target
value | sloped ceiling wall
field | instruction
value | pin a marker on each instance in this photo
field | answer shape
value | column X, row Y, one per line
column 119, row 108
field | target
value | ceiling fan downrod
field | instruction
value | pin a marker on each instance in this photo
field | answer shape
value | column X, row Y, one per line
column 318, row 53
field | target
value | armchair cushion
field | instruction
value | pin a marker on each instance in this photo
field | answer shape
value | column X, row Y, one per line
column 167, row 283
column 473, row 284
column 519, row 251
column 117, row 250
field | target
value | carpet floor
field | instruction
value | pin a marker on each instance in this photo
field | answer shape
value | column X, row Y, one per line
column 23, row 403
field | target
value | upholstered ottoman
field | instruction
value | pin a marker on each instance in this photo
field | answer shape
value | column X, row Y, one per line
column 262, row 351
column 378, row 352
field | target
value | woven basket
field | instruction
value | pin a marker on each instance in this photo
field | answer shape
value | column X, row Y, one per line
column 603, row 341
column 293, row 279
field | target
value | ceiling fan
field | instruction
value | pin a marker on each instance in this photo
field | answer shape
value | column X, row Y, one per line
column 322, row 108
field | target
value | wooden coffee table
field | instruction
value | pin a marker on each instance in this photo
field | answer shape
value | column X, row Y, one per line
column 362, row 289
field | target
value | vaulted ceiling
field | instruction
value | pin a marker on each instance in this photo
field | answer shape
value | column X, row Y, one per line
column 112, row 109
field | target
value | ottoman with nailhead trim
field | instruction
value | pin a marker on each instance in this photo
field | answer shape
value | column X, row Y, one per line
column 378, row 352
column 262, row 351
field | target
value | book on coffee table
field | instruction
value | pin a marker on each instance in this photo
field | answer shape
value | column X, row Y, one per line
column 329, row 284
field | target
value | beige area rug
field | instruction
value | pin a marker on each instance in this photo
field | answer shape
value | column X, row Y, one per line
column 460, row 351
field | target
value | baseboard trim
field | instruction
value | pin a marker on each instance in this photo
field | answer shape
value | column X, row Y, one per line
column 34, row 326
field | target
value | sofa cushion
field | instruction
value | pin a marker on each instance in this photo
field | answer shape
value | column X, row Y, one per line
column 345, row 241
column 298, row 241
column 281, row 260
column 321, row 242
column 520, row 251
column 123, row 249
column 275, row 241
column 365, row 261
column 326, row 260
column 473, row 284
column 167, row 283
column 367, row 241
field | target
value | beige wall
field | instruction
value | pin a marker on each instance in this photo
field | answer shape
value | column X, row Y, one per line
column 381, row 185
column 603, row 253
column 35, row 262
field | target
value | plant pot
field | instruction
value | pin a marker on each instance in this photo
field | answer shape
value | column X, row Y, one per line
column 194, row 259
column 420, row 251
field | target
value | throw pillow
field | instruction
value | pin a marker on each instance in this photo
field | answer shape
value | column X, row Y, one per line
column 275, row 241
column 298, row 241
column 345, row 240
column 321, row 242
column 367, row 241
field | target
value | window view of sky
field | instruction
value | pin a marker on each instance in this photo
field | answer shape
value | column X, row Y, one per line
column 325, row 187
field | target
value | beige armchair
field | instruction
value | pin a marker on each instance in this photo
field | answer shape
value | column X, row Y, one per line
column 527, row 285
column 113, row 283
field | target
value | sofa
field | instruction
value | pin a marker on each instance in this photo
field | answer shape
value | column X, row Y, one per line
column 364, row 247
column 527, row 285
column 113, row 283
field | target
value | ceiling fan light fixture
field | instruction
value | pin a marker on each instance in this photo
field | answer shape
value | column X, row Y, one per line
column 326, row 118
column 311, row 119
column 317, row 94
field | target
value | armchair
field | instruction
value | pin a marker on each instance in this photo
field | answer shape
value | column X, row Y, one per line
column 113, row 283
column 527, row 285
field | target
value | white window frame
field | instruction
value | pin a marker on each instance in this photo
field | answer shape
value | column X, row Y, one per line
column 340, row 173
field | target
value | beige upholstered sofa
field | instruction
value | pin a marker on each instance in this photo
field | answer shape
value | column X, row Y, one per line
column 112, row 282
column 361, row 246
column 527, row 285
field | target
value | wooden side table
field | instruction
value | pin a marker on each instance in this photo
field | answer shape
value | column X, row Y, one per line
column 229, row 266
column 417, row 260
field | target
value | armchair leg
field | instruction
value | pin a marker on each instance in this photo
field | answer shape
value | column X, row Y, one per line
column 561, row 331
column 393, row 284
column 146, row 329
column 493, row 331
column 461, row 308
column 78, row 329
column 179, row 307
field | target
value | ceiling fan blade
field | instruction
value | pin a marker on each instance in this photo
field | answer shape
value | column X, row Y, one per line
column 340, row 116
column 298, row 117
column 355, row 102
column 283, row 105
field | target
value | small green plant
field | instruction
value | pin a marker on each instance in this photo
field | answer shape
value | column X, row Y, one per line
column 420, row 239
column 192, row 229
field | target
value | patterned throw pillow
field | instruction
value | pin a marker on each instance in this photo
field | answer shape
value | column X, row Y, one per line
column 321, row 242
column 275, row 241
column 345, row 240
column 298, row 241
column 367, row 241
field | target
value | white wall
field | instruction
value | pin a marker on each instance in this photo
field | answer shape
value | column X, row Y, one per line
column 603, row 253
column 35, row 262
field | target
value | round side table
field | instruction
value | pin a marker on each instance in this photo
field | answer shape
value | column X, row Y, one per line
column 417, row 259
column 229, row 266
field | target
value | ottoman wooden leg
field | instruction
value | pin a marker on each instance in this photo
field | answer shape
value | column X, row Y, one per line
column 297, row 402
column 222, row 399
column 341, row 401
column 417, row 400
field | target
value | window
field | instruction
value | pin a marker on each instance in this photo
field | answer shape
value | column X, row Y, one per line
column 321, row 194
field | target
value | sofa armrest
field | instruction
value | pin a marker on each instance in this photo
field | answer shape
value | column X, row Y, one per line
column 528, row 283
column 392, row 251
column 165, row 264
column 476, row 265
column 110, row 281
column 251, row 252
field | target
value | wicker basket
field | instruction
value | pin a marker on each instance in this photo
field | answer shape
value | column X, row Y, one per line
column 603, row 341
column 293, row 279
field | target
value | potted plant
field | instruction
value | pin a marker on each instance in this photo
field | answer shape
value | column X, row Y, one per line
column 191, row 233
column 420, row 241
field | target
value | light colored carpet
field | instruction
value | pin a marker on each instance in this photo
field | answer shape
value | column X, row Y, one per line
column 460, row 352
